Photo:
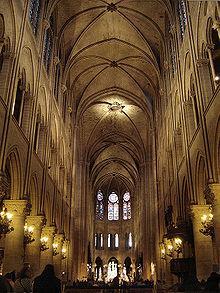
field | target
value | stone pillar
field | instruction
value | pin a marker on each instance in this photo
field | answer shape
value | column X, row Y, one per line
column 14, row 246
column 47, row 255
column 212, row 194
column 57, row 259
column 202, row 243
column 206, row 79
column 65, row 258
column 32, row 250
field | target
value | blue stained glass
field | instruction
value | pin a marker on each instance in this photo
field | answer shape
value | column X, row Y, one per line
column 182, row 17
column 99, row 206
column 48, row 45
column 110, row 211
column 34, row 14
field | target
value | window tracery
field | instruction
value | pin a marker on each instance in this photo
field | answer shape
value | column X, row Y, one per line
column 113, row 207
column 99, row 206
column 126, row 206
column 34, row 14
column 182, row 16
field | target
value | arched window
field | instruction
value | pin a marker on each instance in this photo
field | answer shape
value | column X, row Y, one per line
column 34, row 14
column 126, row 206
column 18, row 104
column 48, row 44
column 182, row 16
column 99, row 206
column 116, row 241
column 113, row 207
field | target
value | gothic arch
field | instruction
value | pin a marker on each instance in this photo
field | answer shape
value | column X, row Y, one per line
column 34, row 194
column 216, row 153
column 13, row 161
column 200, row 178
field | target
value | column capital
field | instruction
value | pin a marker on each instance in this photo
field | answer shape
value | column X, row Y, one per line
column 202, row 62
column 216, row 24
column 212, row 193
column 59, row 238
column 49, row 231
column 16, row 206
column 196, row 211
column 36, row 221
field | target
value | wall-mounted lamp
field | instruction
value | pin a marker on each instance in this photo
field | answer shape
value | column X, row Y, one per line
column 207, row 225
column 170, row 250
column 55, row 247
column 44, row 245
column 5, row 222
column 178, row 245
column 28, row 234
column 63, row 253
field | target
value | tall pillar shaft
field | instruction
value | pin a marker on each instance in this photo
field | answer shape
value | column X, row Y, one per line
column 212, row 193
column 202, row 243
column 47, row 255
column 14, row 246
column 57, row 259
column 32, row 250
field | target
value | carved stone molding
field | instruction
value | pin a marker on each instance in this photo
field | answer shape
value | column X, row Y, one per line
column 216, row 25
column 112, row 7
column 36, row 221
column 59, row 238
column 212, row 193
column 49, row 231
column 63, row 88
column 202, row 62
column 209, row 46
column 196, row 211
column 46, row 24
column 4, row 185
column 17, row 206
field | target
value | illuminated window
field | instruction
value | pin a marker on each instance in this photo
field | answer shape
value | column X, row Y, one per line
column 126, row 206
column 109, row 240
column 129, row 240
column 113, row 207
column 99, row 206
column 96, row 242
column 182, row 16
column 116, row 241
column 34, row 14
column 101, row 240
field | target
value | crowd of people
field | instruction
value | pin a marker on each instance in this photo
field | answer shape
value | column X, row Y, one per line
column 47, row 282
column 22, row 282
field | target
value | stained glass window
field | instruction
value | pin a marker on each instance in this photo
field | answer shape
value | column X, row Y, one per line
column 48, row 45
column 34, row 14
column 182, row 16
column 99, row 206
column 113, row 207
column 126, row 206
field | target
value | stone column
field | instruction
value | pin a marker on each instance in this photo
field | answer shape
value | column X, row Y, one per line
column 205, row 78
column 202, row 243
column 46, row 256
column 212, row 194
column 57, row 259
column 32, row 250
column 65, row 259
column 14, row 247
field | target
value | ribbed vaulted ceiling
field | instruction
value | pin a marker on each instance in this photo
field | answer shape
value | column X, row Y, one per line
column 113, row 51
